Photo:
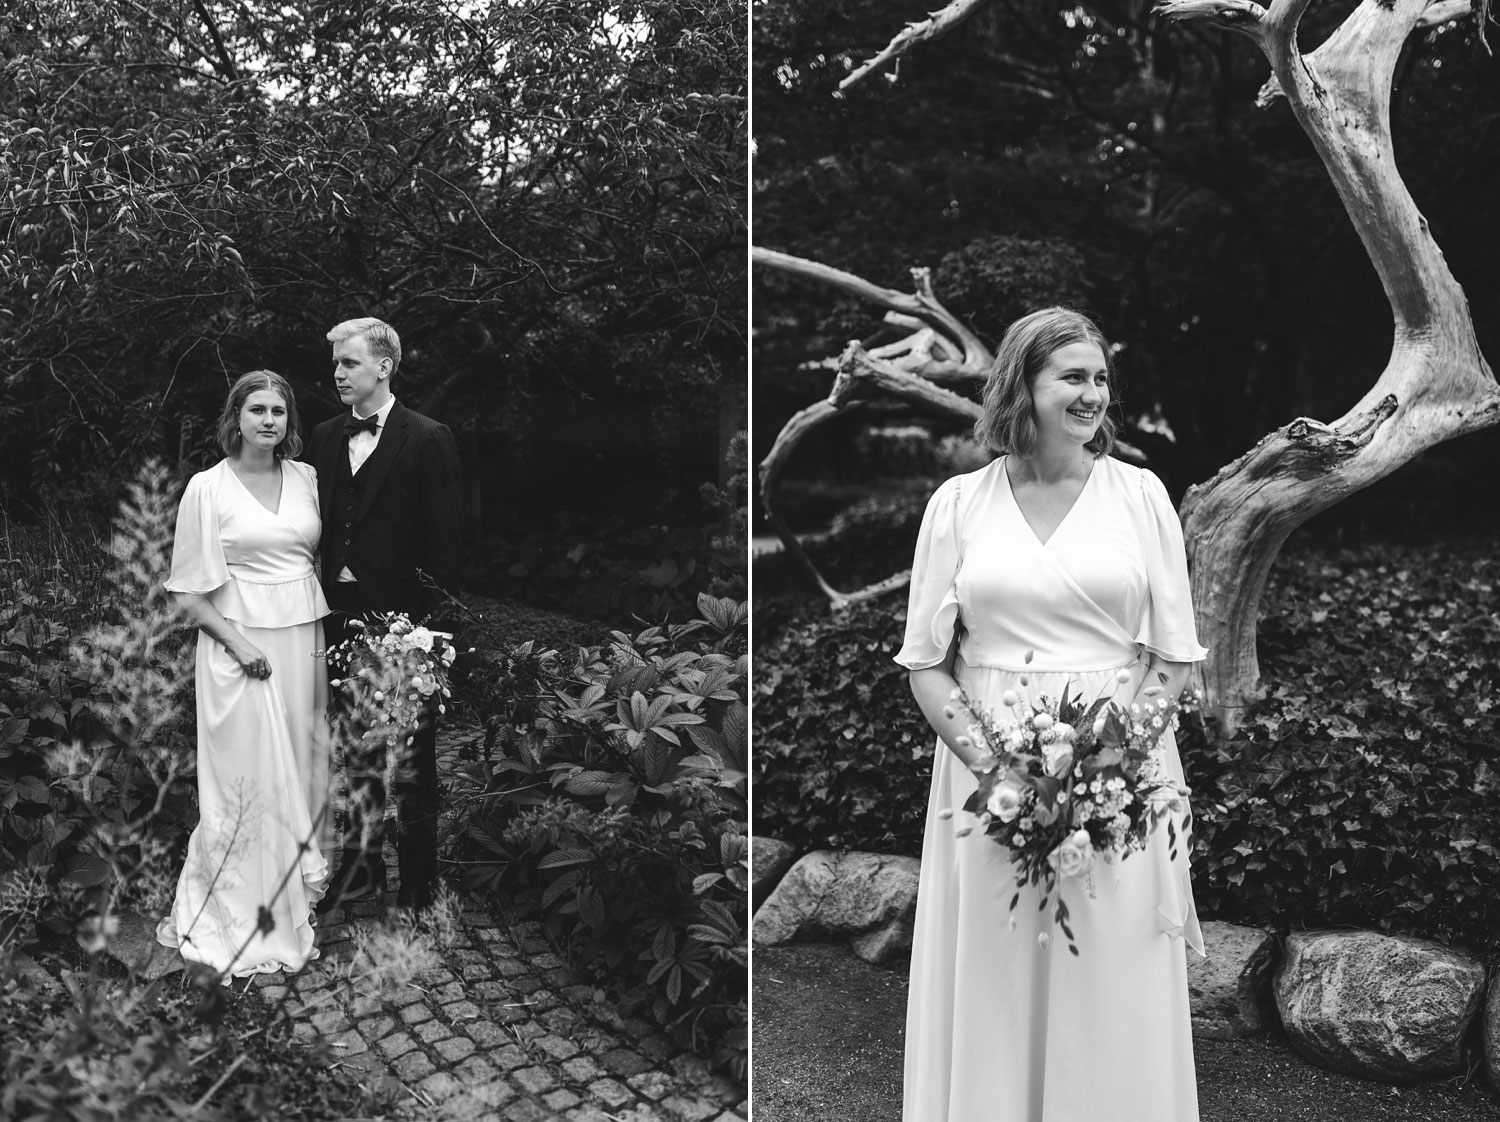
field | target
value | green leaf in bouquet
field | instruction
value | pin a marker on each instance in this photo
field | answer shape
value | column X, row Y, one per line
column 1102, row 760
column 1086, row 723
column 1115, row 732
column 1047, row 789
column 987, row 764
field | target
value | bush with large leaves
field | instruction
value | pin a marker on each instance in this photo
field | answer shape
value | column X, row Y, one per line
column 1362, row 791
column 612, row 805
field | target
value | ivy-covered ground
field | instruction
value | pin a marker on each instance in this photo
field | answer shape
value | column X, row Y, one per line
column 1361, row 791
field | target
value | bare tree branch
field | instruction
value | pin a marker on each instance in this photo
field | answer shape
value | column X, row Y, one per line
column 1242, row 16
column 1447, row 11
column 213, row 30
column 922, row 309
column 858, row 373
column 935, row 26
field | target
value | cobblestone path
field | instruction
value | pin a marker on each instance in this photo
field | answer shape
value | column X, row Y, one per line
column 501, row 1031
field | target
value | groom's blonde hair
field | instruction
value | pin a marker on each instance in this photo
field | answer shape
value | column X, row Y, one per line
column 378, row 335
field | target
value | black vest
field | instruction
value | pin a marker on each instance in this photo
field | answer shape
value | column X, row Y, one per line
column 338, row 523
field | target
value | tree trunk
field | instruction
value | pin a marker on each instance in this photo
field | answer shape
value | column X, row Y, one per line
column 1436, row 384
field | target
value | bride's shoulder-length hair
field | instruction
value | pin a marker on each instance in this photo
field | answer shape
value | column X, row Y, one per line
column 1007, row 423
column 228, row 429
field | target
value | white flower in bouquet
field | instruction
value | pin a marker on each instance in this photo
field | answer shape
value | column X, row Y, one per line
column 420, row 638
column 1075, row 855
column 1005, row 801
column 1057, row 758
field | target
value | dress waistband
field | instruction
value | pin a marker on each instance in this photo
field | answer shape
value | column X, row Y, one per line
column 1033, row 668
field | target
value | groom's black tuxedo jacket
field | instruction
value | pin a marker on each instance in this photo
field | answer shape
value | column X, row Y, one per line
column 399, row 514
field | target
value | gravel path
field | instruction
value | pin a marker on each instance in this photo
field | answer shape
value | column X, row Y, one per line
column 827, row 1039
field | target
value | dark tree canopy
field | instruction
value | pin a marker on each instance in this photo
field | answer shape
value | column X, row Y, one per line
column 545, row 198
column 1090, row 154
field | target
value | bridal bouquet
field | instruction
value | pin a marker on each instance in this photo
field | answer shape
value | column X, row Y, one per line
column 393, row 672
column 1064, row 784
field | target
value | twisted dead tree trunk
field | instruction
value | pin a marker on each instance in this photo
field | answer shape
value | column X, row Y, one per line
column 1435, row 385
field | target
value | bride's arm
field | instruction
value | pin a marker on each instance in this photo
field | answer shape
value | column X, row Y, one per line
column 1164, row 680
column 200, row 610
column 933, row 688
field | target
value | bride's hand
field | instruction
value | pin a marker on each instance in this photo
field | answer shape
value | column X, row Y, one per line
column 251, row 660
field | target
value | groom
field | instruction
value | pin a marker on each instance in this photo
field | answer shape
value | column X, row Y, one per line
column 389, row 491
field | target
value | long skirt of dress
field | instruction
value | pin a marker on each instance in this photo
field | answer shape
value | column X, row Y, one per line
column 262, row 794
column 1001, row 1028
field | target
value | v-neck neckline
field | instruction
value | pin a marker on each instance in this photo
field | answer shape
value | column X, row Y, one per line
column 1015, row 502
column 280, row 491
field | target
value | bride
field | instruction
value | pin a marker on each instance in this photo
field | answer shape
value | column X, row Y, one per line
column 1054, row 548
column 242, row 569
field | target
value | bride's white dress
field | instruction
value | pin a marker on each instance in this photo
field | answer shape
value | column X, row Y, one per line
column 999, row 1027
column 262, row 743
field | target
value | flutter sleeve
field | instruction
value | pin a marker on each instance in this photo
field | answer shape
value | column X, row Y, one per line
column 309, row 475
column 932, row 610
column 1167, row 624
column 198, row 563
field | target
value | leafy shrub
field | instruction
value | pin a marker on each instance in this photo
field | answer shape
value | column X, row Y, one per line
column 95, row 750
column 1363, row 789
column 995, row 280
column 611, row 803
column 106, row 1047
column 96, row 800
column 843, row 758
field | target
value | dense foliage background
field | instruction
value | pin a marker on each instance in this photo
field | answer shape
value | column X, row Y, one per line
column 1362, row 791
column 546, row 199
column 1092, row 155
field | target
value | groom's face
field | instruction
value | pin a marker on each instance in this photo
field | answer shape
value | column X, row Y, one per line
column 360, row 378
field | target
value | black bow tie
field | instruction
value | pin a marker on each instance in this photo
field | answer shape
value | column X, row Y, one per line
column 370, row 424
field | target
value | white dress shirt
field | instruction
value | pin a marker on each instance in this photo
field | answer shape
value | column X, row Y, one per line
column 361, row 447
column 362, row 444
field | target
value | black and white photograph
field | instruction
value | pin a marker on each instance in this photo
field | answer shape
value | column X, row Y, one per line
column 374, row 623
column 1125, row 649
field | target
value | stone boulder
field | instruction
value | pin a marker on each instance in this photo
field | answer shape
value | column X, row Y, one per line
column 135, row 947
column 1230, row 990
column 1386, row 1007
column 769, row 859
column 29, row 972
column 1492, row 1034
column 866, row 898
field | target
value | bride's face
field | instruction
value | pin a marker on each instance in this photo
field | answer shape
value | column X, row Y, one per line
column 1070, row 395
column 263, row 419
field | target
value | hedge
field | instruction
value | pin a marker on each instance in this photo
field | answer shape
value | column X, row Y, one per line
column 1361, row 791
